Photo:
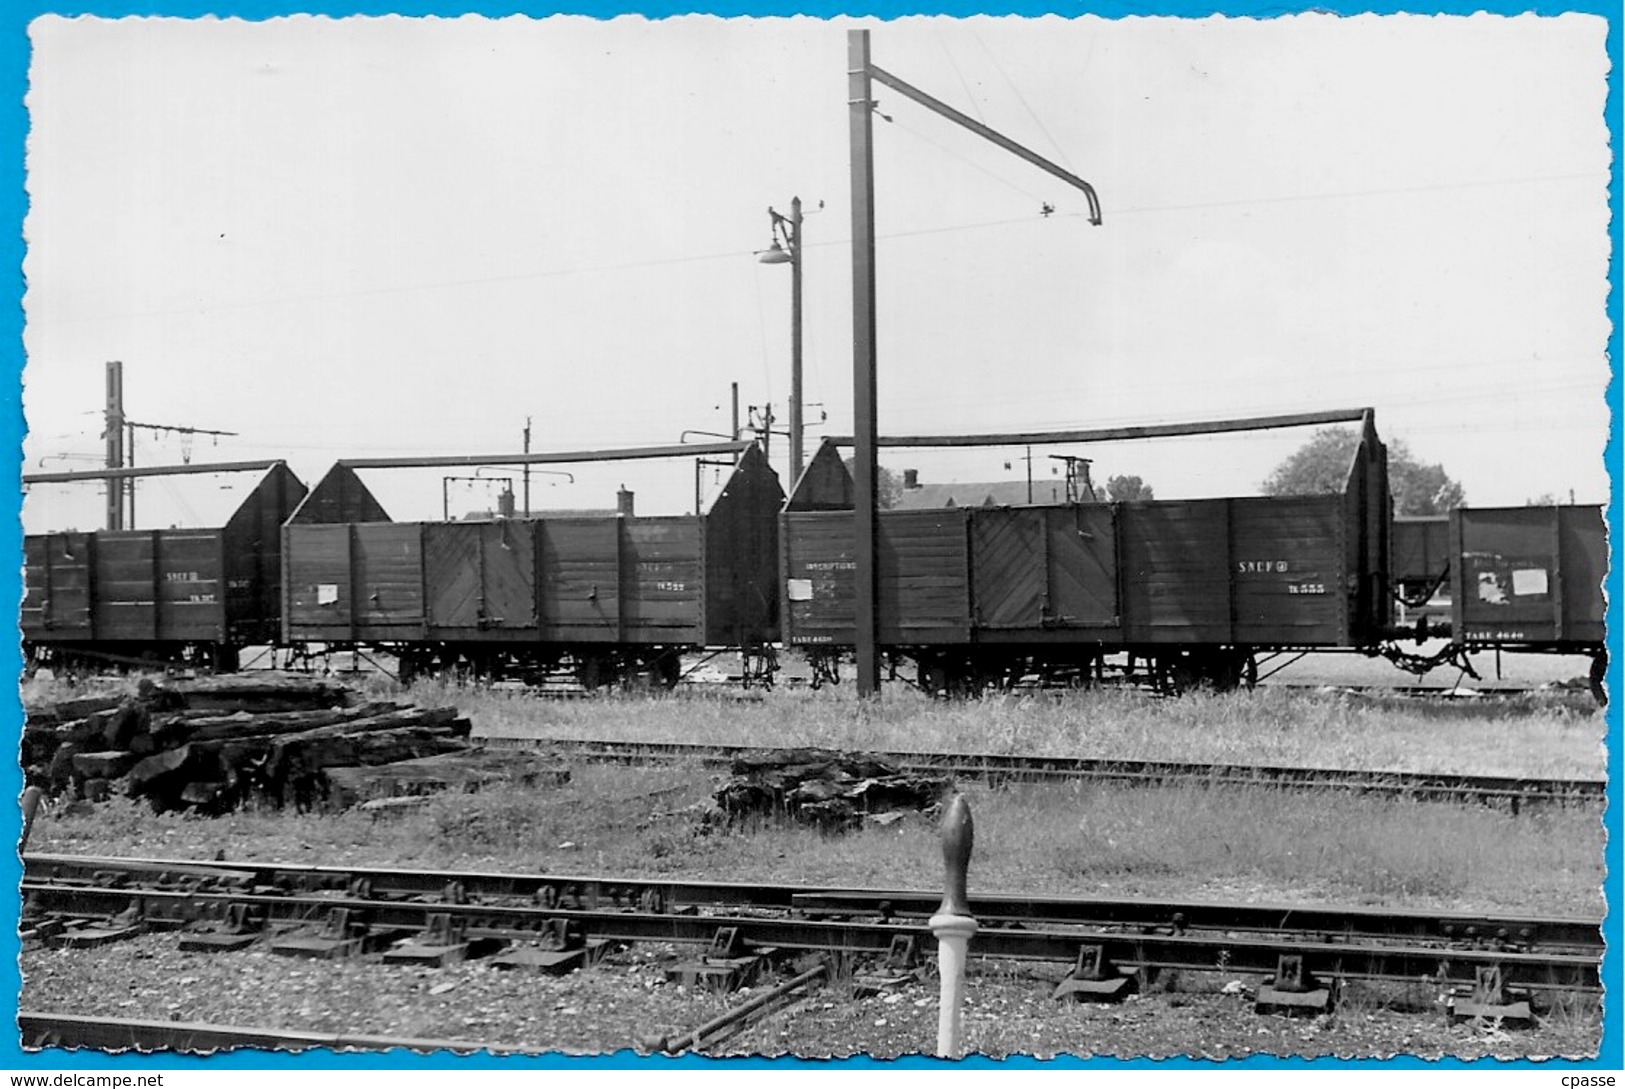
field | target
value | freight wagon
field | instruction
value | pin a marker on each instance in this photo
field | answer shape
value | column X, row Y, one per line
column 1529, row 579
column 1518, row 579
column 128, row 597
column 608, row 595
column 1190, row 591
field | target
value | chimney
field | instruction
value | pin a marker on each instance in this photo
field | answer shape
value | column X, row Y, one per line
column 623, row 502
column 911, row 479
column 505, row 503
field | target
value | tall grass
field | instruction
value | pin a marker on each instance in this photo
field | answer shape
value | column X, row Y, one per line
column 1537, row 737
column 1182, row 840
column 1255, row 843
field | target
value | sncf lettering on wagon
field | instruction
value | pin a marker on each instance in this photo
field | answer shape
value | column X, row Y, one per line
column 831, row 565
column 1261, row 567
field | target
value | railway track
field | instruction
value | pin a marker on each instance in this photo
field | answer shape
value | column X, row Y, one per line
column 85, row 901
column 1422, row 786
column 46, row 1028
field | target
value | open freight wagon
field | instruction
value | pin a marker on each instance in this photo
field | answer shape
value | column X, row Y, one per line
column 611, row 595
column 1530, row 580
column 1188, row 590
column 147, row 596
column 1525, row 580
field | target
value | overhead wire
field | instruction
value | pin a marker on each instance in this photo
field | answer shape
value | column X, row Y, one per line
column 1055, row 145
column 732, row 255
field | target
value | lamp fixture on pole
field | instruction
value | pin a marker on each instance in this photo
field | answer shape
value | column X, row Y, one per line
column 786, row 249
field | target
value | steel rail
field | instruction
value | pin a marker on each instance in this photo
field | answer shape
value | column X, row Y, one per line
column 1427, row 786
column 42, row 1028
column 594, row 892
column 1220, row 952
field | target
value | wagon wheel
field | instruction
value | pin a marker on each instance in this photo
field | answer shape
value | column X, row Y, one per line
column 932, row 676
column 1224, row 670
column 590, row 671
column 1177, row 674
column 666, row 670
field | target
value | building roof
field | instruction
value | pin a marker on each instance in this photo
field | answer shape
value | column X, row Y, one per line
column 536, row 515
column 998, row 493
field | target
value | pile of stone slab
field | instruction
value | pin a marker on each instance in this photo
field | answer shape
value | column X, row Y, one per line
column 217, row 743
column 832, row 790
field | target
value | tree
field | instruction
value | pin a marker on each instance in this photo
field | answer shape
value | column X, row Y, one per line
column 888, row 485
column 1321, row 465
column 1121, row 489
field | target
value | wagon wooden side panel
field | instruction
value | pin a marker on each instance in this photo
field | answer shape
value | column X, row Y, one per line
column 1290, row 586
column 388, row 579
column 922, row 571
column 578, row 578
column 1174, row 559
column 156, row 586
column 317, row 591
column 663, row 580
column 57, row 590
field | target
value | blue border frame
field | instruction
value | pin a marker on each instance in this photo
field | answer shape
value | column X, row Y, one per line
column 14, row 62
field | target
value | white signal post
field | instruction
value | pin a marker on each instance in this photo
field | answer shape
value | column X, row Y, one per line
column 953, row 926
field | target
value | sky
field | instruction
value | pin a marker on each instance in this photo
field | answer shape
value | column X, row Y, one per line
column 385, row 237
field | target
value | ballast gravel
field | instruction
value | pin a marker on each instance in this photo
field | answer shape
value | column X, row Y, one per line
column 625, row 1004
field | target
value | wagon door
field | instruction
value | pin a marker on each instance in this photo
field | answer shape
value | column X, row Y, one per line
column 578, row 572
column 1045, row 567
column 480, row 575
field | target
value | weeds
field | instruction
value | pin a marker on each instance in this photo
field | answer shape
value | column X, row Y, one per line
column 1264, row 727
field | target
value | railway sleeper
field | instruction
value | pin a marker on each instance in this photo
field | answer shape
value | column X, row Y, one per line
column 1094, row 978
column 899, row 968
column 444, row 941
column 237, row 927
column 345, row 933
column 1293, row 989
column 93, row 933
column 560, row 948
column 729, row 963
column 1491, row 999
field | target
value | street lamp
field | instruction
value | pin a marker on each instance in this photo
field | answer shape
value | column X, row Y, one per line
column 787, row 230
